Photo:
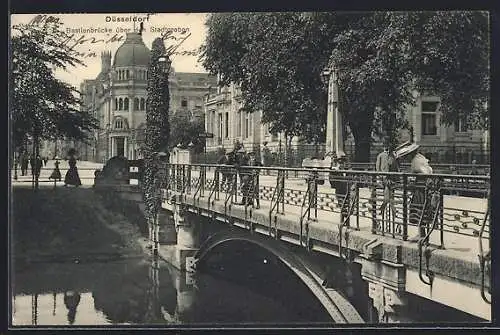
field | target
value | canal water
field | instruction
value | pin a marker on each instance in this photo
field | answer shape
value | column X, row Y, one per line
column 239, row 284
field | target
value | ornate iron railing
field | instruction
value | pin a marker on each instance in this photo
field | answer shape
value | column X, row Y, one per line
column 431, row 210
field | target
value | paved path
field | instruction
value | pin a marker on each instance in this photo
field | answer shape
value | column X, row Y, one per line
column 85, row 170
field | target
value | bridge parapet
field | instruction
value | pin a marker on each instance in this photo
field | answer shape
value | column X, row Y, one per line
column 435, row 226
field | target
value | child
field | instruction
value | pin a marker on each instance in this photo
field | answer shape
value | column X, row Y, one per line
column 56, row 174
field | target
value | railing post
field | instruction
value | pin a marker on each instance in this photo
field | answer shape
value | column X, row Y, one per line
column 373, row 203
column 282, row 187
column 203, row 180
column 189, row 179
column 405, row 207
column 441, row 213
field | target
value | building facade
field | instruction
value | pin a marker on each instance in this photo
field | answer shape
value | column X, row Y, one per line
column 229, row 124
column 117, row 98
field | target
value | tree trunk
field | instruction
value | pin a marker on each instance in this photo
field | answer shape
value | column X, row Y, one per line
column 362, row 143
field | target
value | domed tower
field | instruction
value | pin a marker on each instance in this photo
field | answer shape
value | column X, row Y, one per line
column 128, row 99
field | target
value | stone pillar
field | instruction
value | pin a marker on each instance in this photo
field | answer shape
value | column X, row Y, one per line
column 186, row 295
column 389, row 303
column 187, row 239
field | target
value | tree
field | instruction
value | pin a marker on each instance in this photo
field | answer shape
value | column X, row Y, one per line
column 42, row 106
column 277, row 63
column 157, row 131
column 186, row 130
column 381, row 59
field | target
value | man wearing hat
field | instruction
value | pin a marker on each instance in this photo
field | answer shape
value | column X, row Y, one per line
column 254, row 184
column 245, row 174
column 419, row 165
column 387, row 162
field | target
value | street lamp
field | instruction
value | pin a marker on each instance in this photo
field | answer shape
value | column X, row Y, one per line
column 165, row 63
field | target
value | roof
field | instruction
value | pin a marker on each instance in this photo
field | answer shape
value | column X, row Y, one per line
column 132, row 52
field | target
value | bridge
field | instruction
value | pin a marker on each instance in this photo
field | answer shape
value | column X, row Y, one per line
column 316, row 229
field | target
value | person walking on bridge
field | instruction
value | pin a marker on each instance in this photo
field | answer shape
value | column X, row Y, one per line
column 387, row 162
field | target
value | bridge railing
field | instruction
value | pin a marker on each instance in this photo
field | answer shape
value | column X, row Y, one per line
column 433, row 210
column 394, row 204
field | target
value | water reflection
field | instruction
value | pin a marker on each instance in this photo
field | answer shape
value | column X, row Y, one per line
column 233, row 287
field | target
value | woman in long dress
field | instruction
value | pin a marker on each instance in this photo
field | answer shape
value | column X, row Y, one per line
column 56, row 174
column 72, row 177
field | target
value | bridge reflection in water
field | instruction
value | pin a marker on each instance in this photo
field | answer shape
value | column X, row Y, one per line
column 238, row 284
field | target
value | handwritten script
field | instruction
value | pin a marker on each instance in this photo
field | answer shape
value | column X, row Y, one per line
column 72, row 41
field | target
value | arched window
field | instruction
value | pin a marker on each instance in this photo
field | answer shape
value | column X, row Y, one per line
column 119, row 74
column 120, row 104
column 116, row 104
column 128, row 74
column 125, row 104
column 119, row 124
column 142, row 104
column 136, row 104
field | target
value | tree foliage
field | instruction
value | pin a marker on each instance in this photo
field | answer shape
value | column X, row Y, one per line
column 42, row 106
column 157, row 127
column 186, row 130
column 277, row 63
column 381, row 58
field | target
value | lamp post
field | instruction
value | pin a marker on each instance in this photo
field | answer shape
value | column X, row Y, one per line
column 165, row 64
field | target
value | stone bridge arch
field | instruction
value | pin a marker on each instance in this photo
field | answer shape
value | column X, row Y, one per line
column 337, row 306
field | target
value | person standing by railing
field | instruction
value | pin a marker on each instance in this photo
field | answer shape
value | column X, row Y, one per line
column 419, row 216
column 223, row 171
column 387, row 162
column 254, row 179
column 245, row 174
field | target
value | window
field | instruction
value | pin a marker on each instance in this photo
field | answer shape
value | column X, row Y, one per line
column 115, row 106
column 429, row 118
column 221, row 126
column 142, row 104
column 120, row 104
column 125, row 104
column 238, row 124
column 247, row 125
column 119, row 124
column 136, row 104
column 128, row 74
column 461, row 125
column 214, row 126
column 184, row 103
column 227, row 125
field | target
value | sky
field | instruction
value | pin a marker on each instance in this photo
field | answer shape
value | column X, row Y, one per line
column 109, row 28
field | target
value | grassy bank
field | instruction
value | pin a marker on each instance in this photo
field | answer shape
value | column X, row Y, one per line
column 69, row 224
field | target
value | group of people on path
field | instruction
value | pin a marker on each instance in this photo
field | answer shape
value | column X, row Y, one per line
column 238, row 161
column 71, row 178
column 35, row 163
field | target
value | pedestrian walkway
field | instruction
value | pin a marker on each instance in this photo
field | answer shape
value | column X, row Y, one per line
column 86, row 171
